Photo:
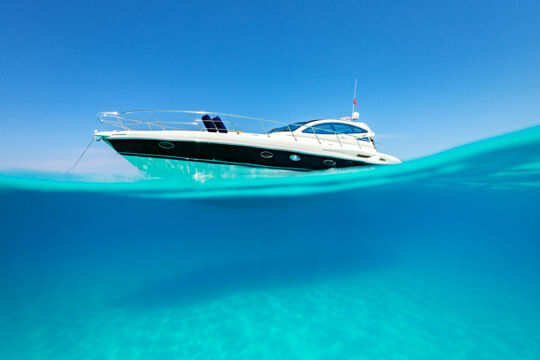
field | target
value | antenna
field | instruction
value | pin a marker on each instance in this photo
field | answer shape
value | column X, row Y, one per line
column 354, row 115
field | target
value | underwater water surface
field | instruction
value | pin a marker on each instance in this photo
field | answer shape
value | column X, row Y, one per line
column 435, row 257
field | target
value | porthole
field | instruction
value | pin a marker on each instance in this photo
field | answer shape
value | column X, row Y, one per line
column 294, row 157
column 266, row 154
column 329, row 162
column 166, row 145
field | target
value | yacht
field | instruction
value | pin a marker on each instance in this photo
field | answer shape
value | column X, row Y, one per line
column 226, row 139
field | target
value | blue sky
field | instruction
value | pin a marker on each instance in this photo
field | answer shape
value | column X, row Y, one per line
column 431, row 74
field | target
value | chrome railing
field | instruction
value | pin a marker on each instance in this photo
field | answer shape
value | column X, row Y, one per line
column 171, row 120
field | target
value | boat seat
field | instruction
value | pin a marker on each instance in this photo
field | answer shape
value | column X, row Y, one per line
column 219, row 124
column 209, row 123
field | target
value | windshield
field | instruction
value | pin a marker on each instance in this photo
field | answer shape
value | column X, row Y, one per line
column 290, row 127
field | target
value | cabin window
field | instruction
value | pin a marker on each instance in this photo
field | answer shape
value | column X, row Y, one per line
column 348, row 129
column 329, row 162
column 166, row 145
column 321, row 129
column 332, row 128
column 295, row 157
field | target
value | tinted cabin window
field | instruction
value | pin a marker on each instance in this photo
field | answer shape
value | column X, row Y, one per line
column 348, row 129
column 358, row 130
column 322, row 129
column 332, row 128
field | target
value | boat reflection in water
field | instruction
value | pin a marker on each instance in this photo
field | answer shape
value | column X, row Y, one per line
column 201, row 171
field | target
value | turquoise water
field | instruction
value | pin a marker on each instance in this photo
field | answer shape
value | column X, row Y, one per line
column 436, row 257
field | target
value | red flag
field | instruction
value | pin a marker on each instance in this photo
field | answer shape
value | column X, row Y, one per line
column 354, row 101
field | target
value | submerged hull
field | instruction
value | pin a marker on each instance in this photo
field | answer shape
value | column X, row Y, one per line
column 227, row 154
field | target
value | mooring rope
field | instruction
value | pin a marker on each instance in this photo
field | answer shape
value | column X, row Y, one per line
column 70, row 170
